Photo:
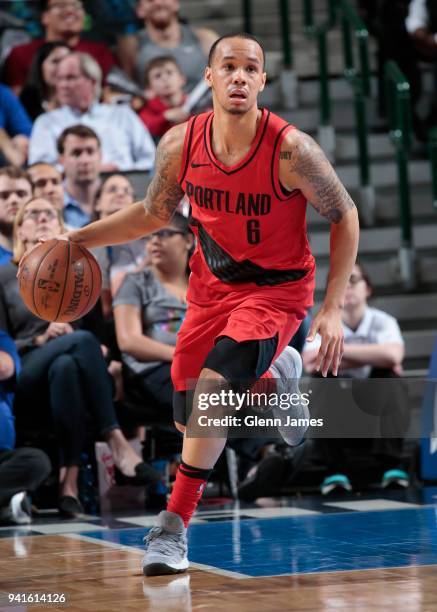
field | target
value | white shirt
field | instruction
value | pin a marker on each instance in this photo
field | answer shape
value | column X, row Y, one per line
column 417, row 16
column 124, row 138
column 376, row 327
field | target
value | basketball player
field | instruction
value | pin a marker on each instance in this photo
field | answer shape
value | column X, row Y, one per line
column 248, row 176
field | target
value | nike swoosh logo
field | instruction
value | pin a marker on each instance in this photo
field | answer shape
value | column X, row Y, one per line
column 194, row 165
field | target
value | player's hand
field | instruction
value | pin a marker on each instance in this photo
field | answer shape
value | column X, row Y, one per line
column 327, row 323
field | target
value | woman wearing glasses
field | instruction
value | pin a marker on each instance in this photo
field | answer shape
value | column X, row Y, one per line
column 149, row 309
column 63, row 373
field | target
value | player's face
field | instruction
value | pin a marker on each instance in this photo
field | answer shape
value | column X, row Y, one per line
column 13, row 194
column 40, row 220
column 236, row 75
column 357, row 291
column 117, row 193
column 168, row 247
column 47, row 183
column 81, row 159
column 158, row 12
column 166, row 80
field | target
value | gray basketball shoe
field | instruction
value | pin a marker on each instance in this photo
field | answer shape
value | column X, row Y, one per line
column 287, row 369
column 166, row 546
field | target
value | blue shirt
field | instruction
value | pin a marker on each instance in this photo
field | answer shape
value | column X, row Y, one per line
column 13, row 118
column 124, row 138
column 5, row 256
column 73, row 214
column 7, row 429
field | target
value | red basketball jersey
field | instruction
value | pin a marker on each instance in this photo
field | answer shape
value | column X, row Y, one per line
column 251, row 232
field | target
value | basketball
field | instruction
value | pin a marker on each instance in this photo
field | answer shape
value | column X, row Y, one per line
column 60, row 281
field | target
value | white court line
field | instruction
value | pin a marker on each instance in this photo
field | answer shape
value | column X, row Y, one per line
column 60, row 528
column 372, row 505
column 199, row 566
column 150, row 521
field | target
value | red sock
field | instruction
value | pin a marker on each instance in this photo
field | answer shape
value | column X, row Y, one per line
column 187, row 491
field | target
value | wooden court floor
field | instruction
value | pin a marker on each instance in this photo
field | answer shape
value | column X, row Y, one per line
column 99, row 578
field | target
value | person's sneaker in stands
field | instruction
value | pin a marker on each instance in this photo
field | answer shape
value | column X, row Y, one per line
column 264, row 479
column 18, row 511
column 335, row 483
column 395, row 479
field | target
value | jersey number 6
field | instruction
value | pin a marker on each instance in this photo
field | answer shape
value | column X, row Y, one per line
column 253, row 231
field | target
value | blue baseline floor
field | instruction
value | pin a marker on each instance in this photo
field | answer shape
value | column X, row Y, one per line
column 320, row 543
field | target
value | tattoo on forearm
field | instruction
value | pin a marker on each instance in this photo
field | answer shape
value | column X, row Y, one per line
column 164, row 193
column 332, row 200
column 285, row 154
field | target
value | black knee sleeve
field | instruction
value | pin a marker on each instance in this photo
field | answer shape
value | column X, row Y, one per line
column 235, row 361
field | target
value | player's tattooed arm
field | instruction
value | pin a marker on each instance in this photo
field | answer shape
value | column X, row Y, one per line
column 304, row 166
column 164, row 192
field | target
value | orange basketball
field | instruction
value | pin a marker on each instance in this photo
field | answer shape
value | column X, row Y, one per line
column 60, row 281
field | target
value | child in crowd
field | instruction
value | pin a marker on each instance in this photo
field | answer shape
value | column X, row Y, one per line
column 165, row 96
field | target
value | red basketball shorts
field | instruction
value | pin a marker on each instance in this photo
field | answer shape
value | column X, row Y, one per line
column 255, row 314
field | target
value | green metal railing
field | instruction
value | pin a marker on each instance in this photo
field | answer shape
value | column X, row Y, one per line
column 247, row 16
column 399, row 115
column 285, row 27
column 287, row 49
column 355, row 37
column 398, row 112
column 433, row 159
column 319, row 33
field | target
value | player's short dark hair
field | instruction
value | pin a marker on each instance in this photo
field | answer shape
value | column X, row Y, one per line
column 158, row 62
column 79, row 130
column 242, row 35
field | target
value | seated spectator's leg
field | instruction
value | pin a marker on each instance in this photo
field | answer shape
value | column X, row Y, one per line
column 394, row 417
column 95, row 382
column 157, row 389
column 23, row 469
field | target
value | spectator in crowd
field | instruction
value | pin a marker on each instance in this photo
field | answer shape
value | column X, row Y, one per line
column 81, row 157
column 165, row 88
column 47, row 183
column 15, row 128
column 149, row 309
column 116, row 193
column 421, row 25
column 15, row 190
column 39, row 94
column 24, row 469
column 63, row 370
column 165, row 34
column 373, row 348
column 63, row 20
column 125, row 141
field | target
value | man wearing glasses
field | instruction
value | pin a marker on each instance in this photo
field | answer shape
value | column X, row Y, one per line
column 63, row 20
